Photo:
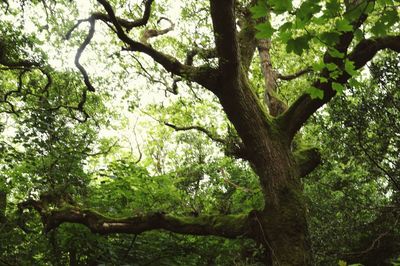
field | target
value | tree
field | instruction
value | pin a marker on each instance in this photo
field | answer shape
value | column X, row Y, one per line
column 342, row 37
column 354, row 218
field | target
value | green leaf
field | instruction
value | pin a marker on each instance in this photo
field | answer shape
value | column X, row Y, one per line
column 330, row 38
column 378, row 29
column 331, row 66
column 332, row 8
column 339, row 88
column 318, row 66
column 349, row 67
column 335, row 74
column 315, row 93
column 298, row 45
column 286, row 26
column 387, row 20
column 335, row 53
column 284, row 36
column 323, row 79
column 285, row 32
column 358, row 34
column 265, row 30
column 385, row 2
column 319, row 20
column 281, row 6
column 355, row 83
column 260, row 9
column 343, row 25
column 307, row 10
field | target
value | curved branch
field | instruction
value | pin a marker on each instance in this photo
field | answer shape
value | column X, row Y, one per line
column 204, row 75
column 80, row 51
column 307, row 160
column 229, row 226
column 151, row 33
column 198, row 128
column 366, row 49
column 203, row 53
column 298, row 113
column 294, row 75
column 232, row 147
column 128, row 24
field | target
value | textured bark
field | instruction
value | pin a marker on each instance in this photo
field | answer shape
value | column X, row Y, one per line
column 229, row 226
column 272, row 101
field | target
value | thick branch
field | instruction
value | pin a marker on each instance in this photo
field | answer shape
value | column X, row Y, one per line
column 367, row 49
column 128, row 24
column 307, row 160
column 275, row 105
column 203, row 53
column 223, row 19
column 205, row 75
column 246, row 35
column 304, row 106
column 234, row 91
column 230, row 226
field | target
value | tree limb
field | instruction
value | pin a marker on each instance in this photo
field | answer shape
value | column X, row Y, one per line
column 246, row 35
column 204, row 75
column 366, row 49
column 198, row 128
column 230, row 226
column 232, row 147
column 307, row 160
column 80, row 51
column 203, row 53
column 128, row 24
column 299, row 112
column 151, row 33
column 271, row 99
column 305, row 106
column 294, row 75
column 223, row 19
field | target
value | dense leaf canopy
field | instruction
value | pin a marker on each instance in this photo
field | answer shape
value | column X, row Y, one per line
column 213, row 132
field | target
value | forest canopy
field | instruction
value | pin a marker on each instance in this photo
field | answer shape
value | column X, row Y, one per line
column 221, row 132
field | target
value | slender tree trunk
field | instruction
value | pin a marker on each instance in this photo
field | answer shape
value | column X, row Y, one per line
column 3, row 205
column 72, row 257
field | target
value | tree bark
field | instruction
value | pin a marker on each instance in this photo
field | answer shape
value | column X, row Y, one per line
column 283, row 221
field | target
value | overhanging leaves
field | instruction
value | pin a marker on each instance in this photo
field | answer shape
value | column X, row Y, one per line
column 298, row 45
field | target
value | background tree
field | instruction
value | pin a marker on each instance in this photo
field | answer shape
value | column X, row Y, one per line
column 258, row 128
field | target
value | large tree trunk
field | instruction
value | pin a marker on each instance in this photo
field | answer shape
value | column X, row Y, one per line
column 283, row 222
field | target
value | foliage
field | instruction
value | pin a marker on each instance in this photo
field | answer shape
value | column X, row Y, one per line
column 207, row 142
column 354, row 195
